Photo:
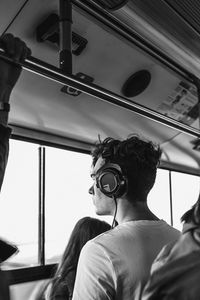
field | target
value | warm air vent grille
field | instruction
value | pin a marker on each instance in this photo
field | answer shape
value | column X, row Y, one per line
column 189, row 10
column 111, row 4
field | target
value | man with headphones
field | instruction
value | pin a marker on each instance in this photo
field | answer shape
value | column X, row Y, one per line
column 116, row 264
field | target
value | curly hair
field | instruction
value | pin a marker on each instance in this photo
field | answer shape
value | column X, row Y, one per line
column 137, row 158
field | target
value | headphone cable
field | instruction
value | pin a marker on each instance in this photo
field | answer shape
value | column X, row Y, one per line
column 113, row 222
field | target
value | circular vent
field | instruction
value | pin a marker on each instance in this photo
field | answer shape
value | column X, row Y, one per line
column 136, row 83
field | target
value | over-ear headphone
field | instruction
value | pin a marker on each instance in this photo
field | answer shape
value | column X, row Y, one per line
column 111, row 181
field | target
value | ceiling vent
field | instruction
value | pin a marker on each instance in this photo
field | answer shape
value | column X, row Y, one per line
column 136, row 83
column 48, row 30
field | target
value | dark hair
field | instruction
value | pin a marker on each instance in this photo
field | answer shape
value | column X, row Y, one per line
column 137, row 158
column 193, row 214
column 84, row 230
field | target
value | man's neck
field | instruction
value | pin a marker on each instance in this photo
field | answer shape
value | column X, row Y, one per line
column 128, row 212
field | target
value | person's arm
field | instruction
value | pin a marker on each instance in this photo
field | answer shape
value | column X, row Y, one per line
column 95, row 278
column 9, row 74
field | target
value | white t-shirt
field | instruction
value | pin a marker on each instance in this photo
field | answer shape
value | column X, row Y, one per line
column 116, row 264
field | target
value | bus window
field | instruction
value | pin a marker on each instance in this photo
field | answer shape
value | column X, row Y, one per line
column 159, row 196
column 185, row 191
column 19, row 202
column 67, row 198
column 67, row 180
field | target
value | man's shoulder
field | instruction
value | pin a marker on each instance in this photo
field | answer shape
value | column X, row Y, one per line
column 103, row 236
column 112, row 236
column 102, row 241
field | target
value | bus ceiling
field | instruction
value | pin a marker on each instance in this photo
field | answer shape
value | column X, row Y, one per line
column 131, row 71
column 170, row 29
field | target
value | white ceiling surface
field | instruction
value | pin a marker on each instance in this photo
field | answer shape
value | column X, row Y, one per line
column 165, row 29
column 37, row 103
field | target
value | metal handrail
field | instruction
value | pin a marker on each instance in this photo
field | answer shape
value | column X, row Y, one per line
column 53, row 73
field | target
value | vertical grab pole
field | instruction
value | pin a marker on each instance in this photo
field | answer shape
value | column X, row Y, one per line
column 41, row 229
column 65, row 24
column 170, row 195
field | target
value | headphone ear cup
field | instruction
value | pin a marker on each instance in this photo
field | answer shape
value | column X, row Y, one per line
column 111, row 182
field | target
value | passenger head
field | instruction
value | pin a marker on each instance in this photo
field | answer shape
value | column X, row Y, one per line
column 137, row 158
column 85, row 229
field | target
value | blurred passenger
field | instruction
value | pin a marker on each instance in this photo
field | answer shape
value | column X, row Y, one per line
column 9, row 74
column 116, row 264
column 61, row 285
column 175, row 273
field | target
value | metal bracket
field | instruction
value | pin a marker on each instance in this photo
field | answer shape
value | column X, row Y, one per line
column 73, row 92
